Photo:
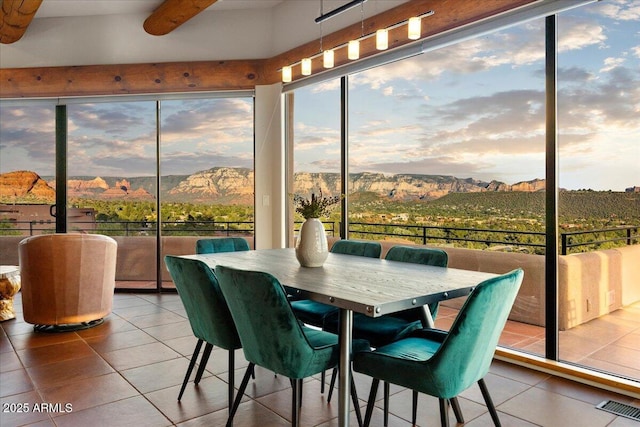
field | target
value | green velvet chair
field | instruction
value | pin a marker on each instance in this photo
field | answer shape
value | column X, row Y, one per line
column 380, row 331
column 222, row 244
column 208, row 314
column 211, row 246
column 315, row 313
column 272, row 337
column 444, row 364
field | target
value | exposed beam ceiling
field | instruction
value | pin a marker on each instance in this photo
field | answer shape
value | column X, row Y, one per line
column 173, row 13
column 15, row 17
column 238, row 74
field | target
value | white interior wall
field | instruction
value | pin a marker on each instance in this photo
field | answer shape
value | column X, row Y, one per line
column 269, row 172
column 211, row 35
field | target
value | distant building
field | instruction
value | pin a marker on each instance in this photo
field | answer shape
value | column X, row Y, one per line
column 37, row 219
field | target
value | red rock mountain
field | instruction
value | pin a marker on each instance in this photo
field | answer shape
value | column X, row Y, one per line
column 25, row 185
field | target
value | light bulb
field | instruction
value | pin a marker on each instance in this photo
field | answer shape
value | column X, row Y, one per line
column 327, row 59
column 306, row 66
column 382, row 39
column 353, row 49
column 414, row 28
column 286, row 74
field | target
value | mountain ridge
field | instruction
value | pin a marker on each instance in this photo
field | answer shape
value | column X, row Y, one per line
column 223, row 185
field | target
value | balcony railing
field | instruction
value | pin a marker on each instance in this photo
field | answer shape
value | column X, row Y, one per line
column 526, row 241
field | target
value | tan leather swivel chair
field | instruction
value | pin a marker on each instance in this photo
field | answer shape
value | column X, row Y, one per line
column 68, row 280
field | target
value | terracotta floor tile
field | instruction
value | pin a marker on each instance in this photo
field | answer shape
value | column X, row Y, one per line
column 54, row 353
column 135, row 411
column 20, row 409
column 141, row 355
column 151, row 353
column 90, row 392
column 119, row 340
column 209, row 396
column 173, row 330
column 41, row 339
column 551, row 409
column 15, row 382
column 160, row 375
column 54, row 374
column 10, row 362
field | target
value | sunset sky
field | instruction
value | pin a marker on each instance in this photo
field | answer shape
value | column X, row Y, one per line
column 471, row 110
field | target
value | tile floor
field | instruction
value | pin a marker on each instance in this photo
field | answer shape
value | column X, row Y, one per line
column 128, row 371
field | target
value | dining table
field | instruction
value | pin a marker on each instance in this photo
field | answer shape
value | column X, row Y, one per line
column 355, row 284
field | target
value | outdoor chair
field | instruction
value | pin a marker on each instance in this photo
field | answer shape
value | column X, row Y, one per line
column 443, row 364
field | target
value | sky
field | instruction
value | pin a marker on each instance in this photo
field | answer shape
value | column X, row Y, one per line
column 471, row 110
column 476, row 109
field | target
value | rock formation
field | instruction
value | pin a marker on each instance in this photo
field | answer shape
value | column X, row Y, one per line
column 25, row 186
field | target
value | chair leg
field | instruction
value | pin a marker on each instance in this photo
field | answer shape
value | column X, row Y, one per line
column 232, row 367
column 489, row 402
column 414, row 408
column 203, row 362
column 295, row 402
column 243, row 386
column 385, row 387
column 371, row 402
column 192, row 362
column 456, row 409
column 354, row 397
column 334, row 375
column 444, row 412
column 323, row 378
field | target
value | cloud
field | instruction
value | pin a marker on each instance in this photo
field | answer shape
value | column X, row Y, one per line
column 611, row 63
column 618, row 10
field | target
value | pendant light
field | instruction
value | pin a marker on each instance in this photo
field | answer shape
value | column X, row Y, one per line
column 328, row 58
column 305, row 64
column 414, row 28
column 353, row 49
column 382, row 39
column 286, row 74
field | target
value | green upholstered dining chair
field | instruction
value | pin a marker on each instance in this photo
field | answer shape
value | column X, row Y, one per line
column 272, row 337
column 443, row 364
column 386, row 329
column 222, row 244
column 315, row 313
column 208, row 314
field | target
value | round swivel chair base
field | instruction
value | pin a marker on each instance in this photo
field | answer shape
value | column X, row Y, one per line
column 70, row 327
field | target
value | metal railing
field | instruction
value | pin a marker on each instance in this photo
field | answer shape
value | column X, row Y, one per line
column 135, row 228
column 421, row 234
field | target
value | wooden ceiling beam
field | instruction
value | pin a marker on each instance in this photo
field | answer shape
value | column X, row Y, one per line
column 240, row 74
column 15, row 17
column 173, row 13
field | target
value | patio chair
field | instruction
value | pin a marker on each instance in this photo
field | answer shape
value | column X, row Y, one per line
column 443, row 364
column 273, row 338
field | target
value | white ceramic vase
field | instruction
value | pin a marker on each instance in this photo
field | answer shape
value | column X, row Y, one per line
column 311, row 246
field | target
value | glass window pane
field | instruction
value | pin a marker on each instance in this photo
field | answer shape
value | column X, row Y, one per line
column 111, row 185
column 27, row 173
column 207, row 174
column 447, row 149
column 599, row 131
column 316, row 147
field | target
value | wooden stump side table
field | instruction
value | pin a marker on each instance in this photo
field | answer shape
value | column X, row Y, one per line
column 9, row 286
